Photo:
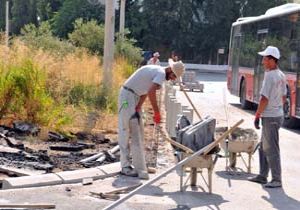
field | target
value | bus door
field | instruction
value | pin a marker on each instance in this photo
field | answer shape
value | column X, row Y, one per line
column 258, row 69
column 235, row 63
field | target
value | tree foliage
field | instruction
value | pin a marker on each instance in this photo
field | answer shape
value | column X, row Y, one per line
column 194, row 28
column 23, row 12
column 72, row 10
column 88, row 35
column 47, row 8
column 42, row 38
column 2, row 15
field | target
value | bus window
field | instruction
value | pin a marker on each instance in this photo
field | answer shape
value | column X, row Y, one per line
column 258, row 68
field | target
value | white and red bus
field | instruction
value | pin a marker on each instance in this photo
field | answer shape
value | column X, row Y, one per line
column 280, row 27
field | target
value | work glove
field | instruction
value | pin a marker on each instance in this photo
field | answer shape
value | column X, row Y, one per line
column 256, row 121
column 156, row 117
column 136, row 115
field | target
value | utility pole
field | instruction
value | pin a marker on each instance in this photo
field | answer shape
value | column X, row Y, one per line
column 108, row 43
column 122, row 18
column 7, row 23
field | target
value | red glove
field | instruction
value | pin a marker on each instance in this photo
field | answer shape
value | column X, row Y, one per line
column 138, row 109
column 156, row 117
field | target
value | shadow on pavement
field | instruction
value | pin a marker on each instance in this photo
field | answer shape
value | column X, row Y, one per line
column 238, row 174
column 280, row 200
column 188, row 199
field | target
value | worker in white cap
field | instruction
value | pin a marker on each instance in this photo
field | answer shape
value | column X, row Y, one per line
column 154, row 60
column 270, row 112
column 144, row 82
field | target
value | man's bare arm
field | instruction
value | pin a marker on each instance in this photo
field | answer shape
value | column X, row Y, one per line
column 263, row 102
column 140, row 103
column 152, row 96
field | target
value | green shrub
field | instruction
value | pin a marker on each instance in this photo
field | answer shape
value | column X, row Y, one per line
column 88, row 35
column 93, row 97
column 107, row 99
column 23, row 92
column 125, row 48
column 42, row 38
column 85, row 94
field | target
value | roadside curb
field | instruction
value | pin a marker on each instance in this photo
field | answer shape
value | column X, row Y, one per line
column 64, row 177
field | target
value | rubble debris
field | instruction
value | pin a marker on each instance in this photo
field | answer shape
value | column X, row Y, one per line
column 26, row 128
column 110, row 156
column 14, row 143
column 240, row 134
column 25, row 155
column 68, row 189
column 114, row 194
column 18, row 171
column 8, row 150
column 57, row 137
column 87, row 181
column 98, row 138
column 87, row 145
column 41, row 166
column 68, row 148
column 91, row 158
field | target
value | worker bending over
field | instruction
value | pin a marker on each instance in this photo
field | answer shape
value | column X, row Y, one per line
column 144, row 82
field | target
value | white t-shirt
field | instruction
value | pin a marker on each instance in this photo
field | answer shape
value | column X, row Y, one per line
column 141, row 80
column 274, row 88
column 152, row 62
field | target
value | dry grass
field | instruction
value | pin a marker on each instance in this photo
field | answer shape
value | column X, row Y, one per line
column 78, row 67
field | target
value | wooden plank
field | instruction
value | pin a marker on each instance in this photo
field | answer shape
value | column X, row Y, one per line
column 202, row 151
column 31, row 206
column 176, row 144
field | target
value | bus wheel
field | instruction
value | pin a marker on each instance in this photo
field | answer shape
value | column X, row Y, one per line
column 244, row 103
column 289, row 121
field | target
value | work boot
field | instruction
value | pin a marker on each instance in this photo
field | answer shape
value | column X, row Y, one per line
column 143, row 175
column 129, row 171
column 258, row 179
column 273, row 184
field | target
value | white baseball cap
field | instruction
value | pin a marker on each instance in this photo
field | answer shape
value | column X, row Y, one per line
column 270, row 50
column 177, row 67
column 156, row 54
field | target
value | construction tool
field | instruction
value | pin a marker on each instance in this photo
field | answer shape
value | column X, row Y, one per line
column 227, row 120
column 107, row 196
column 202, row 151
column 188, row 98
column 114, row 194
column 180, row 146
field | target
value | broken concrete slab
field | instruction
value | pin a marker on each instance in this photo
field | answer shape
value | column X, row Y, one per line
column 4, row 149
column 78, row 175
column 14, row 143
column 64, row 177
column 31, row 181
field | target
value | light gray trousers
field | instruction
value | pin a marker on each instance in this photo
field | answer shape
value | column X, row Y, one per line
column 269, row 152
column 130, row 132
